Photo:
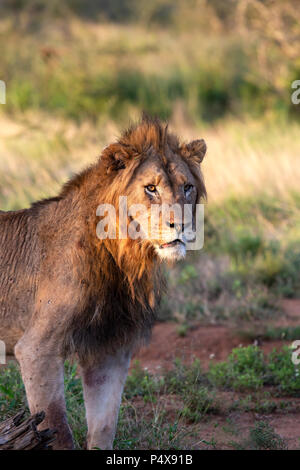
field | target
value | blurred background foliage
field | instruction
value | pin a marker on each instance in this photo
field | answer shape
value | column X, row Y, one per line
column 82, row 58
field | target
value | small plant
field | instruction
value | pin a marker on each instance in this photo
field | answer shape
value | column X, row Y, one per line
column 272, row 333
column 183, row 378
column 149, row 430
column 284, row 373
column 243, row 370
column 141, row 383
column 182, row 330
column 75, row 404
column 12, row 391
column 199, row 402
column 263, row 437
column 265, row 407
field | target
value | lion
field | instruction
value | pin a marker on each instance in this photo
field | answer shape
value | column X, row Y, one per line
column 67, row 293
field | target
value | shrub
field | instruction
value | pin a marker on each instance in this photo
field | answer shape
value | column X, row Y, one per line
column 284, row 373
column 243, row 370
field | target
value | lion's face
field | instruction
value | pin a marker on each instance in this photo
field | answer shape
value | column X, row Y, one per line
column 163, row 189
column 162, row 183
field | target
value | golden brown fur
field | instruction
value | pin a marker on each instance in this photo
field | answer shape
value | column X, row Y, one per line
column 65, row 292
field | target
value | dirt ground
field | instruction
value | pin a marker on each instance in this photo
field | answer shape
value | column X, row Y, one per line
column 206, row 343
column 214, row 343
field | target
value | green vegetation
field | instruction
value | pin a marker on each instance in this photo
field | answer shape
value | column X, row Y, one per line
column 214, row 66
column 288, row 333
column 248, row 369
column 244, row 267
column 244, row 370
column 262, row 437
column 161, row 412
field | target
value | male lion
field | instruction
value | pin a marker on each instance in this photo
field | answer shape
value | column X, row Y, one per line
column 64, row 292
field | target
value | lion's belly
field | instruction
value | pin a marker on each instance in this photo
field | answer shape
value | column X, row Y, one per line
column 15, row 313
column 17, row 277
column 10, row 337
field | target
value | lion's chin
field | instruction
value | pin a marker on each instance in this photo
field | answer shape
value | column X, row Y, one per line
column 171, row 252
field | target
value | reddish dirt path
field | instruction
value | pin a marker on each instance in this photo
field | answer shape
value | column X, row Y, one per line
column 215, row 343
column 205, row 342
column 291, row 309
column 202, row 342
column 235, row 427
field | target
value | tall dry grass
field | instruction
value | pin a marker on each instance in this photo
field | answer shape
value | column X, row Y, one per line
column 244, row 158
column 71, row 85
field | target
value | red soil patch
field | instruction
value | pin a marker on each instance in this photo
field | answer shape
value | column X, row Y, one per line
column 221, row 431
column 235, row 428
column 206, row 343
column 291, row 312
column 202, row 342
column 215, row 343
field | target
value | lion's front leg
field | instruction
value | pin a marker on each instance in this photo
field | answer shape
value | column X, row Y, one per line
column 103, row 384
column 43, row 376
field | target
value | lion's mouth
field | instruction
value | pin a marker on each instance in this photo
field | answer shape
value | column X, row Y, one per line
column 171, row 244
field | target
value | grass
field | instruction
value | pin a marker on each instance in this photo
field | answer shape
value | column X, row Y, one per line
column 57, row 70
column 162, row 412
column 244, row 370
column 244, row 267
column 261, row 437
column 273, row 333
column 248, row 369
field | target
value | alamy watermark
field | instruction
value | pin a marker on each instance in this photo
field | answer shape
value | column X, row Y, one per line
column 166, row 223
column 296, row 353
column 295, row 97
column 2, row 352
column 2, row 92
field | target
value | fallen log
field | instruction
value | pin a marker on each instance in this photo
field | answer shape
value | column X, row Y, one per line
column 17, row 434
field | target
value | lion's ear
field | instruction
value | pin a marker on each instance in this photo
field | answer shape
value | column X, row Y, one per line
column 195, row 150
column 114, row 157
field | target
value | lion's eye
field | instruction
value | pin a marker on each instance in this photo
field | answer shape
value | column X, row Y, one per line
column 188, row 188
column 151, row 188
